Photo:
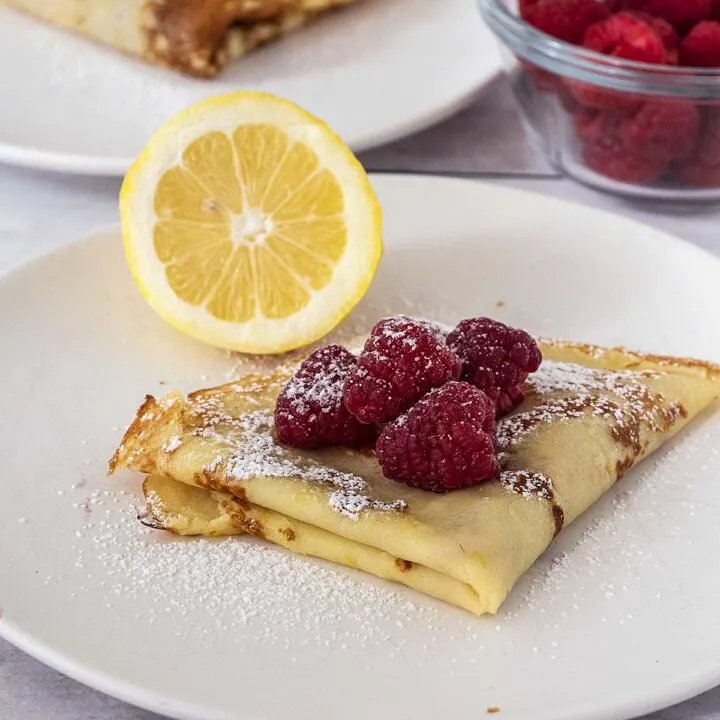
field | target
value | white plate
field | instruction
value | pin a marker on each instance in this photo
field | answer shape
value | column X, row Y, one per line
column 374, row 71
column 619, row 618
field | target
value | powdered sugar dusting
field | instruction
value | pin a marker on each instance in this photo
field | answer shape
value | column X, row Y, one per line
column 235, row 588
column 569, row 377
column 322, row 390
column 601, row 559
column 527, row 484
column 158, row 517
column 255, row 454
column 172, row 444
column 567, row 391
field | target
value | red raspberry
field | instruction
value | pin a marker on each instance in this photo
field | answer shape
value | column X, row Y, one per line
column 440, row 331
column 445, row 442
column 496, row 358
column 592, row 96
column 544, row 80
column 608, row 156
column 523, row 5
column 565, row 19
column 309, row 411
column 681, row 14
column 667, row 34
column 703, row 168
column 701, row 46
column 661, row 131
column 616, row 6
column 624, row 35
column 402, row 359
column 590, row 125
column 566, row 98
column 700, row 175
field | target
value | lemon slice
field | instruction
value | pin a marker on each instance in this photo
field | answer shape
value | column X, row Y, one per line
column 249, row 225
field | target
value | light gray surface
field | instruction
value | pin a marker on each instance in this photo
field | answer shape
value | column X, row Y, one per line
column 38, row 212
column 459, row 146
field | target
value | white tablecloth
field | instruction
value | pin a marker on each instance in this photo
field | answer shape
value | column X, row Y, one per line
column 39, row 212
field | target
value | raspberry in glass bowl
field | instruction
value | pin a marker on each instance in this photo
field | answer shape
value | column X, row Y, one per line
column 622, row 95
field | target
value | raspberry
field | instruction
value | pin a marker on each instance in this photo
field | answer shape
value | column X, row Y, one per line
column 701, row 46
column 681, row 14
column 566, row 97
column 523, row 5
column 496, row 358
column 708, row 148
column 616, row 6
column 624, row 35
column 445, row 442
column 703, row 168
column 661, row 131
column 544, row 80
column 440, row 331
column 667, row 34
column 402, row 359
column 700, row 175
column 565, row 19
column 608, row 156
column 309, row 411
column 590, row 125
column 592, row 96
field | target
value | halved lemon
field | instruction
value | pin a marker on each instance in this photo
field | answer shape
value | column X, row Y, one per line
column 249, row 225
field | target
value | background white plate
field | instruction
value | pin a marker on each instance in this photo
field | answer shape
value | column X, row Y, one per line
column 374, row 71
column 619, row 618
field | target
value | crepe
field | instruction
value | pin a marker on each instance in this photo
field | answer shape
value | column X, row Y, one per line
column 590, row 414
column 196, row 37
column 186, row 510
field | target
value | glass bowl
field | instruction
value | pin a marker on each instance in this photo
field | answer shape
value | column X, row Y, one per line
column 629, row 128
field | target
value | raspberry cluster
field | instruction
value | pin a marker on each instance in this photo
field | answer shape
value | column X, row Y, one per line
column 437, row 395
column 634, row 138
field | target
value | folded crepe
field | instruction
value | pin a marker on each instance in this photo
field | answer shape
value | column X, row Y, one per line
column 197, row 37
column 589, row 415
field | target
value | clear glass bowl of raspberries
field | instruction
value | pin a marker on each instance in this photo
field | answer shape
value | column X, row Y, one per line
column 622, row 95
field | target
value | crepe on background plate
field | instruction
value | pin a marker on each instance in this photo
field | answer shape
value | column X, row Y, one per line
column 590, row 415
column 196, row 37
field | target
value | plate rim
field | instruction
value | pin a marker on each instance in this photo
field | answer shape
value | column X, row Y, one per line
column 52, row 161
column 84, row 673
column 636, row 707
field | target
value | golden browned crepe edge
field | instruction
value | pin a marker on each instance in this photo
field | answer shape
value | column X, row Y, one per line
column 201, row 37
column 172, row 404
column 622, row 358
